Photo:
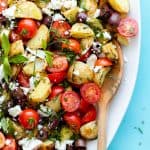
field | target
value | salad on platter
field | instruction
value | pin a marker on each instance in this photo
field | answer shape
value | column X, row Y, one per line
column 54, row 58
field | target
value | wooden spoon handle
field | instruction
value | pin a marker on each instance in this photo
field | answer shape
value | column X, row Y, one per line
column 102, row 127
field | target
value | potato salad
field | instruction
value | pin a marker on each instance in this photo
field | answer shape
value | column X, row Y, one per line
column 54, row 58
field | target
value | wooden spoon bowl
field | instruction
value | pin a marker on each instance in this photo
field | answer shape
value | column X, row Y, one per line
column 109, row 89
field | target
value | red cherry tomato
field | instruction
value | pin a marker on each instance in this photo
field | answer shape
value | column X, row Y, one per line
column 103, row 62
column 3, row 5
column 84, row 106
column 57, row 77
column 2, row 140
column 29, row 118
column 73, row 45
column 60, row 64
column 89, row 116
column 128, row 27
column 85, row 56
column 23, row 79
column 27, row 28
column 56, row 90
column 73, row 120
column 90, row 92
column 70, row 101
column 61, row 28
column 10, row 144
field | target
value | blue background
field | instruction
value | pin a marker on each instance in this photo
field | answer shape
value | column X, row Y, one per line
column 134, row 131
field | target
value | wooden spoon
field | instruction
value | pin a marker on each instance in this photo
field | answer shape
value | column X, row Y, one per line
column 109, row 89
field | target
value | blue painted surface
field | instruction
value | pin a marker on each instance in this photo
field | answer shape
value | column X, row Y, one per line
column 134, row 131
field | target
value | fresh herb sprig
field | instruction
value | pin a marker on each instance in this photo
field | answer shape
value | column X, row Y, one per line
column 6, row 60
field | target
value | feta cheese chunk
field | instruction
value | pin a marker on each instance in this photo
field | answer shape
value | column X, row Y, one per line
column 58, row 17
column 9, row 12
column 62, row 145
column 97, row 13
column 2, row 99
column 30, row 144
column 15, row 111
column 91, row 61
column 107, row 35
column 68, row 4
column 1, row 73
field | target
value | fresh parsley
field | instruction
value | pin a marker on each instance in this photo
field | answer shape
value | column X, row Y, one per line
column 71, row 56
column 18, row 59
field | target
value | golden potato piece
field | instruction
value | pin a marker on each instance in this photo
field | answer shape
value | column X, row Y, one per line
column 79, row 73
column 37, row 66
column 121, row 6
column 47, row 145
column 27, row 9
column 81, row 30
column 89, row 131
column 37, row 41
column 41, row 91
column 16, row 48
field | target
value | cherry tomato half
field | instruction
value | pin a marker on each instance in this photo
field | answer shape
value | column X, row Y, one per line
column 3, row 5
column 84, row 106
column 128, row 27
column 27, row 28
column 73, row 120
column 85, row 56
column 89, row 116
column 56, row 90
column 10, row 144
column 57, row 77
column 29, row 118
column 23, row 79
column 90, row 92
column 2, row 140
column 61, row 27
column 60, row 64
column 73, row 45
column 103, row 62
column 70, row 101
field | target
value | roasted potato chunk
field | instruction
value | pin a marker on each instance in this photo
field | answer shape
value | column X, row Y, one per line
column 122, row 40
column 47, row 145
column 41, row 91
column 37, row 66
column 81, row 30
column 27, row 9
column 89, row 131
column 79, row 73
column 37, row 41
column 121, row 6
column 16, row 48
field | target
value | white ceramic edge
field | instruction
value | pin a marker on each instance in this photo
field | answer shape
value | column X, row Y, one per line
column 118, row 108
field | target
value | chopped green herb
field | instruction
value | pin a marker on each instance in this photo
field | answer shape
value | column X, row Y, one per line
column 18, row 59
column 5, row 45
column 49, row 57
column 70, row 56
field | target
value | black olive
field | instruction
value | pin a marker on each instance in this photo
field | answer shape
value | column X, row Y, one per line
column 42, row 134
column 47, row 20
column 54, row 124
column 81, row 17
column 70, row 147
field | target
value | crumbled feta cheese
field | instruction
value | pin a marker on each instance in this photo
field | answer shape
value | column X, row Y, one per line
column 9, row 12
column 58, row 17
column 2, row 99
column 76, row 72
column 1, row 72
column 39, row 126
column 25, row 90
column 55, row 4
column 97, row 68
column 15, row 111
column 107, row 35
column 47, row 11
column 33, row 80
column 37, row 53
column 97, row 13
column 69, row 3
column 13, row 85
column 91, row 60
column 62, row 145
column 30, row 144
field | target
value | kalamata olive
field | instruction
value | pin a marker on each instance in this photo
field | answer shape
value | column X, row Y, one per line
column 69, row 147
column 96, row 48
column 52, row 125
column 42, row 134
column 105, row 13
column 14, row 36
column 47, row 20
column 10, row 104
column 2, row 19
column 114, row 19
column 81, row 17
column 80, row 143
column 18, row 93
